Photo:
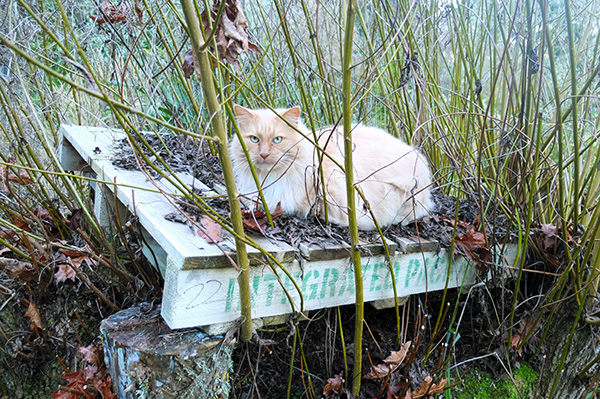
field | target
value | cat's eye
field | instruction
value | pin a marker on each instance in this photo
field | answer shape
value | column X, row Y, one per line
column 277, row 140
column 254, row 139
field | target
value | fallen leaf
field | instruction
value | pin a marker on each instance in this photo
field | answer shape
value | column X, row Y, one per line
column 211, row 231
column 188, row 64
column 21, row 178
column 257, row 220
column 515, row 342
column 65, row 272
column 394, row 390
column 94, row 375
column 549, row 235
column 428, row 388
column 334, row 385
column 111, row 13
column 17, row 270
column 473, row 243
column 527, row 329
column 378, row 372
column 230, row 36
column 7, row 233
column 391, row 363
column 92, row 354
column 34, row 315
column 396, row 357
column 74, row 220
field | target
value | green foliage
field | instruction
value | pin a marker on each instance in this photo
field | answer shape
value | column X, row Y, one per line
column 481, row 385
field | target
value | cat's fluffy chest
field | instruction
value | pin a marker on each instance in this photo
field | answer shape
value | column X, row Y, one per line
column 288, row 187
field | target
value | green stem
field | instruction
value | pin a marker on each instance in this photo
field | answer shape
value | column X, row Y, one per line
column 220, row 131
column 347, row 119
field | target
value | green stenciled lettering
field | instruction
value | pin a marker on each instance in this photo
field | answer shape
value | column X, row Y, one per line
column 348, row 284
column 436, row 270
column 270, row 279
column 313, row 274
column 414, row 268
column 375, row 283
column 255, row 287
column 329, row 283
column 387, row 282
column 289, row 286
column 230, row 291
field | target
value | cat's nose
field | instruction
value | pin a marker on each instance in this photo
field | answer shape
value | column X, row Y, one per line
column 264, row 155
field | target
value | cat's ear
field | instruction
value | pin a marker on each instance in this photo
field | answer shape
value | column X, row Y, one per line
column 243, row 115
column 292, row 115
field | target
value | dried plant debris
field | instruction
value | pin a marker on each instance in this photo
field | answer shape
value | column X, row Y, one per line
column 229, row 39
column 91, row 382
column 109, row 12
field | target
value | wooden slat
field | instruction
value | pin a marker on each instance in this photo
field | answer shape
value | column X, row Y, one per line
column 209, row 296
column 330, row 249
column 410, row 245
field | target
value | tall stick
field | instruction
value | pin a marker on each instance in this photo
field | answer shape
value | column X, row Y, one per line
column 219, row 129
column 347, row 118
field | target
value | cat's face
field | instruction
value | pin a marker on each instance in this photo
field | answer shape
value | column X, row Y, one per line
column 272, row 144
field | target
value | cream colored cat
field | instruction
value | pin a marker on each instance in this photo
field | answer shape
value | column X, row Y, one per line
column 393, row 176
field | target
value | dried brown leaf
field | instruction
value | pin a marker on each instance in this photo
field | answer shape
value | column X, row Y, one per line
column 257, row 220
column 549, row 235
column 527, row 325
column 17, row 270
column 35, row 319
column 473, row 243
column 428, row 388
column 515, row 342
column 391, row 363
column 111, row 13
column 188, row 64
column 394, row 390
column 87, row 76
column 65, row 272
column 211, row 231
column 230, row 36
column 21, row 178
column 334, row 385
column 74, row 220
column 92, row 354
column 396, row 357
column 378, row 372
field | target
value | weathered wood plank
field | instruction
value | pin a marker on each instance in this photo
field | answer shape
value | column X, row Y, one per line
column 199, row 297
column 410, row 245
column 330, row 249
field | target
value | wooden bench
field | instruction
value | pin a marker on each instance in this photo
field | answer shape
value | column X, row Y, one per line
column 201, row 285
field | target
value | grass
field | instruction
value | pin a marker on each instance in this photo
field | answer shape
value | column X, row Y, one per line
column 481, row 385
column 502, row 97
